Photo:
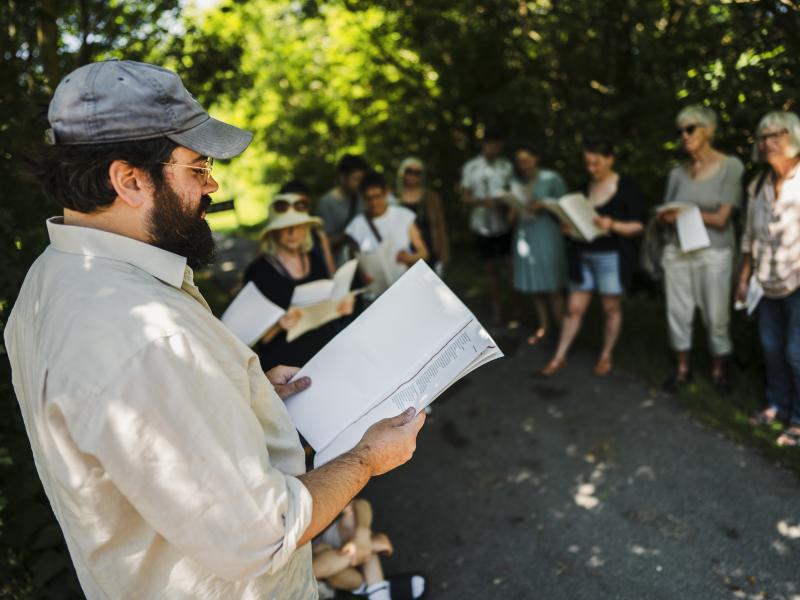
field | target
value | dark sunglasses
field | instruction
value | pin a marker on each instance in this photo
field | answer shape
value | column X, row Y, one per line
column 688, row 130
column 281, row 206
column 412, row 171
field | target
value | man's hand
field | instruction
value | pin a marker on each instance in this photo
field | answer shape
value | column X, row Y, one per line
column 390, row 443
column 280, row 376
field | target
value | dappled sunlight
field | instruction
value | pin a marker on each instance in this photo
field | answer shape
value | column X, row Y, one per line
column 523, row 249
column 789, row 531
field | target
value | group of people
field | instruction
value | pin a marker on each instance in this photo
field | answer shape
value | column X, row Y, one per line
column 163, row 445
column 551, row 266
column 514, row 231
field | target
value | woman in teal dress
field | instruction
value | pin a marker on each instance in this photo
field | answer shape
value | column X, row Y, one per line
column 538, row 249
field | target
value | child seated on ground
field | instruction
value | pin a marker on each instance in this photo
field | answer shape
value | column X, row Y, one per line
column 346, row 557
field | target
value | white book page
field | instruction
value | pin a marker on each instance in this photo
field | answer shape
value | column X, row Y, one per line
column 322, row 290
column 381, row 266
column 754, row 294
column 434, row 377
column 692, row 233
column 385, row 346
column 251, row 314
column 582, row 215
column 679, row 206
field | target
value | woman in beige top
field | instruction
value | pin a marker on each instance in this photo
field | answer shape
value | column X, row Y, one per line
column 701, row 278
column 415, row 195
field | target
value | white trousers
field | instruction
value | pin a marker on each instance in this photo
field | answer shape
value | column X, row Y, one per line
column 699, row 279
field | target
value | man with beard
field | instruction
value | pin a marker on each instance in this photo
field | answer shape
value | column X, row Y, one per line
column 167, row 455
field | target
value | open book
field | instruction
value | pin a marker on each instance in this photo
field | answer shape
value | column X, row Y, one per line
column 387, row 360
column 251, row 314
column 381, row 266
column 692, row 232
column 575, row 211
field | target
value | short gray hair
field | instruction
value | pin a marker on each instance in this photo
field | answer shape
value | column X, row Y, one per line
column 699, row 115
column 778, row 119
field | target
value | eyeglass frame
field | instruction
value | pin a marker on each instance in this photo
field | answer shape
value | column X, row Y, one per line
column 206, row 171
column 763, row 138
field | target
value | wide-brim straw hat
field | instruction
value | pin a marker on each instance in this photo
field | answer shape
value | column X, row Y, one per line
column 289, row 218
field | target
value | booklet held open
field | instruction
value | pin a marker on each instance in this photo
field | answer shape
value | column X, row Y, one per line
column 407, row 348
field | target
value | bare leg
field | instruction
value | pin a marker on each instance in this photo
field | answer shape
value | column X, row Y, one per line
column 557, row 305
column 613, row 323
column 373, row 572
column 346, row 579
column 328, row 561
column 576, row 307
column 717, row 367
column 540, row 305
column 683, row 363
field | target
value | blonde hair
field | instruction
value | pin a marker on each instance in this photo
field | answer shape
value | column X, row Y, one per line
column 269, row 241
column 778, row 119
column 410, row 161
column 698, row 114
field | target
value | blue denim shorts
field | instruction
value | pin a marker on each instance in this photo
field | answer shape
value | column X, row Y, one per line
column 600, row 272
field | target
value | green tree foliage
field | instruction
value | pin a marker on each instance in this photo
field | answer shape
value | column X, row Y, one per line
column 389, row 78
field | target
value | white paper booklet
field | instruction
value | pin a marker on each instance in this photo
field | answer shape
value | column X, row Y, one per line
column 382, row 267
column 692, row 232
column 575, row 211
column 323, row 290
column 251, row 314
column 388, row 359
column 754, row 294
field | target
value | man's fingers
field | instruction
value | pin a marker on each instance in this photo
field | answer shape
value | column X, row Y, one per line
column 299, row 385
column 403, row 418
column 419, row 421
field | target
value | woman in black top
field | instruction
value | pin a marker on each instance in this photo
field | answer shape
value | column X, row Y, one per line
column 606, row 264
column 286, row 262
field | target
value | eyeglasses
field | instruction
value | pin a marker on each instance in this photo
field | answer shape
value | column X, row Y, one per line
column 281, row 205
column 412, row 171
column 771, row 135
column 688, row 130
column 205, row 172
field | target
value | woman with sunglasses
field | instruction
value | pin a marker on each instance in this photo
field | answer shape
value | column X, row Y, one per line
column 701, row 278
column 413, row 194
column 285, row 262
column 771, row 253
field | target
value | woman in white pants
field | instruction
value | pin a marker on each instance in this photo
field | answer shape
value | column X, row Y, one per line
column 701, row 279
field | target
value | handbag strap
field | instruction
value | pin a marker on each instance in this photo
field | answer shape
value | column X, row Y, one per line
column 374, row 229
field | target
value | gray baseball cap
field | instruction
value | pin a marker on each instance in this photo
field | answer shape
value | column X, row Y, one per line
column 124, row 100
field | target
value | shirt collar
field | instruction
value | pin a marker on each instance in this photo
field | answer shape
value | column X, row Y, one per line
column 162, row 264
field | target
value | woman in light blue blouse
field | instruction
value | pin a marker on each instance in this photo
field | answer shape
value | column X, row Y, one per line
column 538, row 248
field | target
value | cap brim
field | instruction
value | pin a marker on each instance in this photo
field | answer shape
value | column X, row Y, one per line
column 214, row 138
column 291, row 221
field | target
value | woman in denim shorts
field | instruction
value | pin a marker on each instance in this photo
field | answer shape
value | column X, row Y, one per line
column 606, row 264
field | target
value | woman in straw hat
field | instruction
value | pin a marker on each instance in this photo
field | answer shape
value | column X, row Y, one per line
column 285, row 262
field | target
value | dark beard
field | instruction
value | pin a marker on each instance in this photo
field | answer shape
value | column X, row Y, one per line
column 182, row 232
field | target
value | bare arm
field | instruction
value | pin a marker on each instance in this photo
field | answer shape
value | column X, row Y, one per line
column 719, row 218
column 744, row 277
column 386, row 445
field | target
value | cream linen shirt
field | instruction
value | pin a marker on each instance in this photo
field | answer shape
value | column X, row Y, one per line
column 169, row 460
